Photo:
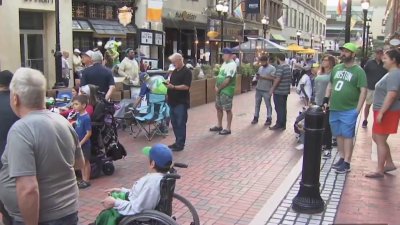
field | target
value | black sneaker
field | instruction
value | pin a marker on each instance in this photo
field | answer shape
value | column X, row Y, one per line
column 268, row 122
column 215, row 129
column 277, row 127
column 255, row 120
column 338, row 163
column 343, row 168
column 172, row 146
column 177, row 148
column 327, row 154
column 365, row 124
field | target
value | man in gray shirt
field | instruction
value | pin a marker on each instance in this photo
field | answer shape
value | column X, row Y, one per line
column 37, row 180
column 264, row 84
column 281, row 89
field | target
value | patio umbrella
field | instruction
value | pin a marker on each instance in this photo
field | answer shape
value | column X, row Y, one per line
column 295, row 48
column 308, row 51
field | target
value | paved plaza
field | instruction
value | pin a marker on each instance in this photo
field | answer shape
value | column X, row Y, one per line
column 233, row 179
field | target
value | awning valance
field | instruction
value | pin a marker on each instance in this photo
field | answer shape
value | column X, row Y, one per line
column 111, row 28
column 278, row 37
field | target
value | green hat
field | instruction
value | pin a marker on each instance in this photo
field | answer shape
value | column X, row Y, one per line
column 350, row 46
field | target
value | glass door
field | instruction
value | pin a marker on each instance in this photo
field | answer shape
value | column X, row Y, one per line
column 31, row 43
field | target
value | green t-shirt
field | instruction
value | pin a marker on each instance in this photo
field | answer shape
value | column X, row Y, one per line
column 346, row 87
column 227, row 70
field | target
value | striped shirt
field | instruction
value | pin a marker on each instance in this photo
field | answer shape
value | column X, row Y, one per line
column 283, row 71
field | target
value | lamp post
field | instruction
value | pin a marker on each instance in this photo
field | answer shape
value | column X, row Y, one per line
column 369, row 42
column 322, row 43
column 298, row 33
column 265, row 23
column 312, row 40
column 364, row 6
column 58, row 54
column 367, row 37
column 222, row 9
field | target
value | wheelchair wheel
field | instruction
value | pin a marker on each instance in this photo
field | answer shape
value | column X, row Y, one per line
column 95, row 171
column 183, row 211
column 108, row 168
column 148, row 217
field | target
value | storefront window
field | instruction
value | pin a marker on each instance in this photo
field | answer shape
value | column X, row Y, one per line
column 78, row 10
column 109, row 13
column 92, row 11
column 30, row 20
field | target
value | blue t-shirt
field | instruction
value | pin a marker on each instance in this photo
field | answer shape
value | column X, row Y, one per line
column 144, row 90
column 82, row 126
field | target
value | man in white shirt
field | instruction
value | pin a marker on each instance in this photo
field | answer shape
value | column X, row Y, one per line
column 129, row 68
column 65, row 68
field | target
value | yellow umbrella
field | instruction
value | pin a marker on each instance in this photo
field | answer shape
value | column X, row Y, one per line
column 295, row 48
column 308, row 51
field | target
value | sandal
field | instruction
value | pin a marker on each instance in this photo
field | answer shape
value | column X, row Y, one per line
column 389, row 169
column 216, row 129
column 224, row 132
column 374, row 175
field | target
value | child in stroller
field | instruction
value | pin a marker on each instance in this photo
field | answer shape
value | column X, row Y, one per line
column 105, row 145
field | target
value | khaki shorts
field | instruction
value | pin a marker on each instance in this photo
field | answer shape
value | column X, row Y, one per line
column 370, row 97
column 224, row 102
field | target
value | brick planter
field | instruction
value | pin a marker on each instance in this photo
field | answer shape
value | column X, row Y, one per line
column 198, row 93
column 238, row 88
column 210, row 92
column 246, row 84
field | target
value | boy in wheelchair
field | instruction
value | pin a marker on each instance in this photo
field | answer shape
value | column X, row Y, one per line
column 145, row 193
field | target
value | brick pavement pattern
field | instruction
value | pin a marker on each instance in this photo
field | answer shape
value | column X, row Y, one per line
column 331, row 189
column 229, row 177
column 368, row 201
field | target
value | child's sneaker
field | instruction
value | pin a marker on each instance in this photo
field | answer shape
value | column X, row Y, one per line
column 338, row 163
column 343, row 168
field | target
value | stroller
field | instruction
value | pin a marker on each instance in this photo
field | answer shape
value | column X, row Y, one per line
column 105, row 145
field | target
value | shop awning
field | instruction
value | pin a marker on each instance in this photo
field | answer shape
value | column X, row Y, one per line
column 182, row 24
column 81, row 25
column 111, row 28
column 278, row 37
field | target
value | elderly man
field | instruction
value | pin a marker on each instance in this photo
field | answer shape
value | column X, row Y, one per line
column 179, row 100
column 129, row 68
column 37, row 180
column 375, row 71
column 225, row 89
column 7, row 119
column 96, row 74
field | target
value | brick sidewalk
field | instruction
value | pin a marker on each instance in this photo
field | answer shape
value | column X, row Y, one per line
column 229, row 178
column 370, row 200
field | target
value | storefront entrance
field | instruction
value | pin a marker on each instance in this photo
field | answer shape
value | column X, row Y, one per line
column 31, row 42
column 31, row 39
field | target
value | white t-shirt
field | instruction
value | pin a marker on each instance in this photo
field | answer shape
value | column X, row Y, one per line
column 306, row 81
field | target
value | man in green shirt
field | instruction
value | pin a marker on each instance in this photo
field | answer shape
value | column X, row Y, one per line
column 225, row 89
column 347, row 91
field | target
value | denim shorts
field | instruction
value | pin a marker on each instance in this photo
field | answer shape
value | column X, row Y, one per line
column 343, row 123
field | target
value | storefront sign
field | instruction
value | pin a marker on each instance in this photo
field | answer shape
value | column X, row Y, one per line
column 185, row 15
column 151, row 37
column 146, row 38
column 253, row 6
column 41, row 1
column 251, row 33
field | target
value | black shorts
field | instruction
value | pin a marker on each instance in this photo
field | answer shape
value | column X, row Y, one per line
column 87, row 152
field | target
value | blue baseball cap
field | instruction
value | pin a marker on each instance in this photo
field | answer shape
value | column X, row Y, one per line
column 160, row 154
column 227, row 51
column 143, row 76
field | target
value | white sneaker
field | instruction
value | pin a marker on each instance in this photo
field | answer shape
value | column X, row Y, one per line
column 300, row 147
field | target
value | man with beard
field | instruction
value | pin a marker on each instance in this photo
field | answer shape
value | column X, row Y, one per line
column 347, row 91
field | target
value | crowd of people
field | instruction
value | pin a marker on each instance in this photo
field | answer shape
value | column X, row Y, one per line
column 38, row 184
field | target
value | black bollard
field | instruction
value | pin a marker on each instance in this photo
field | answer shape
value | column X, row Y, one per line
column 308, row 199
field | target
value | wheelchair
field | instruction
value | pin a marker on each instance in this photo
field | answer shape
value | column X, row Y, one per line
column 165, row 213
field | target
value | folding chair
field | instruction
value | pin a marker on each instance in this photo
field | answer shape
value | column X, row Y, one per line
column 157, row 112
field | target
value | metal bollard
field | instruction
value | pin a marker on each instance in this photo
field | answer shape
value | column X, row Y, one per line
column 308, row 199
